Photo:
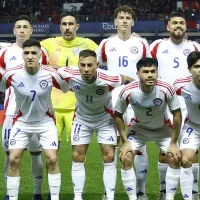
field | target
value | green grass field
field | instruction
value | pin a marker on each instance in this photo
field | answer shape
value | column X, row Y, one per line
column 94, row 183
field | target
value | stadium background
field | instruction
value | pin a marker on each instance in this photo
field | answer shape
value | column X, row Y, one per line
column 96, row 23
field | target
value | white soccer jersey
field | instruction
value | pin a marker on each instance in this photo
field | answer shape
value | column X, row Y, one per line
column 11, row 57
column 186, row 88
column 33, row 92
column 94, row 102
column 150, row 109
column 122, row 56
column 172, row 58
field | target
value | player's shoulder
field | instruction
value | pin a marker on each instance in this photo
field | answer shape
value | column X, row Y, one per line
column 165, row 85
column 72, row 70
column 16, row 69
column 49, row 70
column 129, row 88
column 183, row 81
column 159, row 42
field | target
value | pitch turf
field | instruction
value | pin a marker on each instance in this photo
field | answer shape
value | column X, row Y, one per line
column 93, row 187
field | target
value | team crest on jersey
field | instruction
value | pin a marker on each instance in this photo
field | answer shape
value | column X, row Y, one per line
column 134, row 50
column 100, row 91
column 43, row 84
column 186, row 141
column 186, row 52
column 12, row 142
column 76, row 137
column 157, row 101
column 76, row 51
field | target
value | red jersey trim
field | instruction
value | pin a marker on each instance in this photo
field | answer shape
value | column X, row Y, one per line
column 166, row 85
column 154, row 50
column 2, row 59
column 103, row 52
column 108, row 78
column 128, row 87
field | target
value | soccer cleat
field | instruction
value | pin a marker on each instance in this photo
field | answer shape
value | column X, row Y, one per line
column 141, row 196
column 104, row 196
column 6, row 197
column 37, row 197
column 195, row 196
column 162, row 196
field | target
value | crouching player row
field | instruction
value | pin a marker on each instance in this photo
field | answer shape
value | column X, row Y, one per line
column 32, row 84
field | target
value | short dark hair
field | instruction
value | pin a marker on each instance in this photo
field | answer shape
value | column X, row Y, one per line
column 125, row 9
column 176, row 14
column 68, row 13
column 147, row 62
column 31, row 42
column 192, row 58
column 23, row 17
column 86, row 53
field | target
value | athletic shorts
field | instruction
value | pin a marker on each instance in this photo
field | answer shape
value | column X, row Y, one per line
column 33, row 146
column 45, row 131
column 190, row 136
column 138, row 137
column 82, row 132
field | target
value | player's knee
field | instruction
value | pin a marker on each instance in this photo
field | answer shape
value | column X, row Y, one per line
column 108, row 157
column 52, row 160
column 186, row 161
column 14, row 160
column 78, row 156
column 128, row 160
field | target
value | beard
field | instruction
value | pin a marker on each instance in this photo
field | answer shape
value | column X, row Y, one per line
column 179, row 35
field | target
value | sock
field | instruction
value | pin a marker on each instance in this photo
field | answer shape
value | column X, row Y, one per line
column 186, row 181
column 195, row 170
column 37, row 171
column 141, row 168
column 172, row 180
column 54, row 181
column 116, row 155
column 109, row 179
column 13, row 187
column 129, row 182
column 162, row 170
column 78, row 179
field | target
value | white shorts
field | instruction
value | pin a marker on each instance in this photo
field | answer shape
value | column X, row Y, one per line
column 33, row 146
column 190, row 136
column 45, row 132
column 82, row 132
column 138, row 137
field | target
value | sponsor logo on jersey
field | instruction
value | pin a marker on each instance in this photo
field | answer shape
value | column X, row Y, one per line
column 21, row 84
column 43, row 84
column 76, row 51
column 157, row 101
column 165, row 51
column 134, row 50
column 113, row 49
column 186, row 52
column 100, row 91
column 188, row 97
column 13, row 58
column 12, row 142
column 186, row 141
column 76, row 137
column 76, row 87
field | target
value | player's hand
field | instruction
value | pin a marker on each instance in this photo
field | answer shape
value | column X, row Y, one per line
column 173, row 151
column 125, row 148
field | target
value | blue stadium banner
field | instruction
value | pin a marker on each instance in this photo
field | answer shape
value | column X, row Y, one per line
column 92, row 27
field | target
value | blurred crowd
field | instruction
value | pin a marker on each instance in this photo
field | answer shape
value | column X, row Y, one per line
column 49, row 10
